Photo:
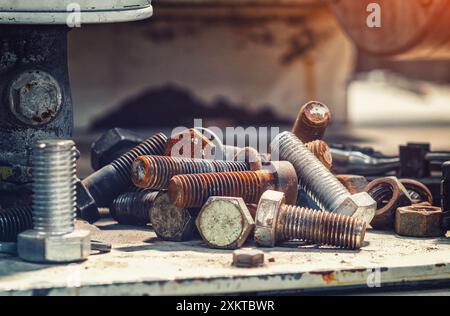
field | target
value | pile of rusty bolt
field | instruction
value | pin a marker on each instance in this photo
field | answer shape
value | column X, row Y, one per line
column 186, row 186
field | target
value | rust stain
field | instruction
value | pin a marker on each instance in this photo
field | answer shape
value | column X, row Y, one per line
column 327, row 276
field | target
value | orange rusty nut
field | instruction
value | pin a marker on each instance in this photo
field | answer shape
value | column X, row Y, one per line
column 192, row 190
column 389, row 194
column 312, row 121
column 417, row 191
column 248, row 258
column 419, row 221
column 353, row 183
column 190, row 144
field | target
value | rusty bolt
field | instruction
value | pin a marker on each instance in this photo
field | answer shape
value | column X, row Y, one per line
column 419, row 221
column 133, row 208
column 190, row 143
column 193, row 190
column 251, row 156
column 35, row 97
column 277, row 221
column 225, row 222
column 353, row 183
column 389, row 194
column 171, row 222
column 155, row 172
column 322, row 152
column 248, row 258
column 319, row 183
column 312, row 121
column 418, row 192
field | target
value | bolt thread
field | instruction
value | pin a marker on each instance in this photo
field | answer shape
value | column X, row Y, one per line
column 316, row 180
column 192, row 190
column 13, row 221
column 321, row 150
column 54, row 193
column 320, row 227
column 133, row 208
column 154, row 145
column 155, row 172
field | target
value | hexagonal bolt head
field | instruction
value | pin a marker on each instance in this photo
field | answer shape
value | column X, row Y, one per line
column 111, row 145
column 389, row 194
column 248, row 258
column 359, row 205
column 171, row 222
column 225, row 222
column 266, row 218
column 419, row 221
column 190, row 144
column 286, row 179
column 34, row 246
column 35, row 97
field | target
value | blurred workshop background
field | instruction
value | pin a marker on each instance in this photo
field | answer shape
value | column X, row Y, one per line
column 253, row 62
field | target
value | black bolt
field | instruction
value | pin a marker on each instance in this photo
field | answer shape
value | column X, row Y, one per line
column 103, row 186
column 13, row 221
column 413, row 162
column 133, row 208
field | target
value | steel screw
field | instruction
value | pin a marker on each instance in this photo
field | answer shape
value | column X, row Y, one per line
column 319, row 183
column 277, row 221
column 133, row 208
column 155, row 172
column 192, row 190
column 312, row 121
column 54, row 238
column 13, row 221
column 103, row 186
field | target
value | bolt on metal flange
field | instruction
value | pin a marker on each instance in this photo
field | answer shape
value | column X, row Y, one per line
column 35, row 97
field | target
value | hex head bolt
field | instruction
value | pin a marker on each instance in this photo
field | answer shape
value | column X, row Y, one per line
column 277, row 221
column 312, row 121
column 155, row 172
column 133, row 208
column 54, row 238
column 13, row 221
column 319, row 183
column 445, row 193
column 103, row 186
column 171, row 222
column 193, row 190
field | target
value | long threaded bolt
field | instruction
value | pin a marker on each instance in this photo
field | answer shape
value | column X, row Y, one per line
column 54, row 238
column 312, row 121
column 13, row 221
column 133, row 208
column 193, row 190
column 319, row 183
column 103, row 186
column 277, row 221
column 155, row 172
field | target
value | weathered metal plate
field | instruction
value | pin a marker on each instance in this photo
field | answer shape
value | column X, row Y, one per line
column 141, row 264
column 60, row 12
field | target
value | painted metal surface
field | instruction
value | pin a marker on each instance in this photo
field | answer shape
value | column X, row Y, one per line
column 139, row 264
column 58, row 12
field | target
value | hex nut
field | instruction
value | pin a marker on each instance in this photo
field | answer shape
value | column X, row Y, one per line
column 419, row 221
column 359, row 205
column 225, row 222
column 389, row 195
column 248, row 258
column 418, row 191
column 190, row 144
column 353, row 183
column 111, row 145
column 171, row 222
column 35, row 97
column 266, row 218
column 37, row 247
